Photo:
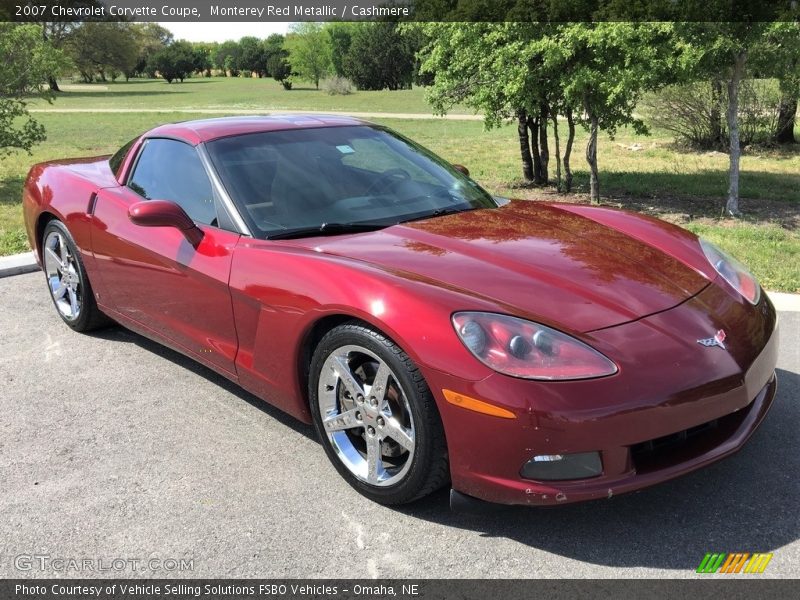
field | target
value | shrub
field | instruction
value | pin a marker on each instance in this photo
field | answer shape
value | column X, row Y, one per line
column 696, row 113
column 338, row 86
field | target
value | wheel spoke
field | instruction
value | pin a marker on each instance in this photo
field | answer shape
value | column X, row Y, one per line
column 64, row 252
column 398, row 433
column 374, row 461
column 340, row 422
column 53, row 256
column 59, row 292
column 343, row 372
column 73, row 302
column 380, row 383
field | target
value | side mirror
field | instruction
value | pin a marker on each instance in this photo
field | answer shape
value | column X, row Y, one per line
column 163, row 213
column 461, row 169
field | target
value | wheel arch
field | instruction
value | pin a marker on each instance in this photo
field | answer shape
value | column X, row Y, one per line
column 318, row 329
column 41, row 224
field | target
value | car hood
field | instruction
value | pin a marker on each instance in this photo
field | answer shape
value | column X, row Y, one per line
column 541, row 261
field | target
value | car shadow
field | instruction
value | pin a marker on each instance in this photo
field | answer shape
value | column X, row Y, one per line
column 747, row 503
column 118, row 333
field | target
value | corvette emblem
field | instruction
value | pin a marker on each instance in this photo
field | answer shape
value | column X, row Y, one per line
column 717, row 340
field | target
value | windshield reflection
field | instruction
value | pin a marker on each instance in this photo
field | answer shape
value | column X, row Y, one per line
column 302, row 179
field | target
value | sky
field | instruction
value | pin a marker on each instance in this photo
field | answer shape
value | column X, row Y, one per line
column 221, row 32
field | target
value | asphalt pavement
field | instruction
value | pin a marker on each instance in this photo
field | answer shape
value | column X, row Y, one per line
column 113, row 447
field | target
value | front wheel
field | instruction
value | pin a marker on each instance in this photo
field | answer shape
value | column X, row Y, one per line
column 376, row 417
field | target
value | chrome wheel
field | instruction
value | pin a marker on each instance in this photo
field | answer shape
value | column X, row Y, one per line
column 366, row 416
column 63, row 277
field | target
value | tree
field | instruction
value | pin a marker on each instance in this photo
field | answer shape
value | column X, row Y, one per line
column 309, row 51
column 150, row 39
column 57, row 33
column 778, row 56
column 176, row 61
column 379, row 57
column 281, row 69
column 610, row 65
column 273, row 47
column 591, row 73
column 227, row 58
column 201, row 57
column 29, row 62
column 253, row 58
column 340, row 35
column 721, row 51
column 101, row 49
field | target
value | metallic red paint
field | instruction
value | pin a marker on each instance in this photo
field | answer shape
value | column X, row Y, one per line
column 638, row 290
column 163, row 213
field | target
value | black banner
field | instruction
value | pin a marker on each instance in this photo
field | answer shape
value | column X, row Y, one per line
column 398, row 10
column 392, row 589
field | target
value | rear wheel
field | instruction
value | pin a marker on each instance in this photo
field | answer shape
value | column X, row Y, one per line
column 67, row 281
column 376, row 417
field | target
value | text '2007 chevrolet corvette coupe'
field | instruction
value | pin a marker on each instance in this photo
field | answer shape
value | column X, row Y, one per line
column 524, row 352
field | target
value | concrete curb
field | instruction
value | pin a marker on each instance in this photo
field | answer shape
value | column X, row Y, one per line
column 785, row 302
column 18, row 264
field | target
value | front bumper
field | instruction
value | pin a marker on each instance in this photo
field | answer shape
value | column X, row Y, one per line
column 674, row 407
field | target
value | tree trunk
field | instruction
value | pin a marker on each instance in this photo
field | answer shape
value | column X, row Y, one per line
column 544, row 150
column 524, row 145
column 787, row 113
column 732, row 205
column 717, row 133
column 53, row 84
column 533, row 127
column 591, row 158
column 554, row 116
column 568, row 151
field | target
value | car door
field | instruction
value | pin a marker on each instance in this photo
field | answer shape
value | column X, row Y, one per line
column 153, row 276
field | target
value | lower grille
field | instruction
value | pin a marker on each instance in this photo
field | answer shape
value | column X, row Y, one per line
column 684, row 445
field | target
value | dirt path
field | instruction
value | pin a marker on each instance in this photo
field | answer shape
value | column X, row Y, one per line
column 257, row 111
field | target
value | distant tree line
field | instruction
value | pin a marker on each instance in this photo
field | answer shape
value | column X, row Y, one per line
column 373, row 56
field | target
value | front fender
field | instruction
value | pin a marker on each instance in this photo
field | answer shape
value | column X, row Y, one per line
column 280, row 292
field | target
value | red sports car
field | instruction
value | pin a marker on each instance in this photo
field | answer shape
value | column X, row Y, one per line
column 525, row 352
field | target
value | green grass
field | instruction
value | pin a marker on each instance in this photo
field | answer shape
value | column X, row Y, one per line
column 681, row 186
column 230, row 93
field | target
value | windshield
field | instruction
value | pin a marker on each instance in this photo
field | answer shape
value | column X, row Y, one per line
column 309, row 178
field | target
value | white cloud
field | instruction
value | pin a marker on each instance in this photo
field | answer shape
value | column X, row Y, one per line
column 220, row 32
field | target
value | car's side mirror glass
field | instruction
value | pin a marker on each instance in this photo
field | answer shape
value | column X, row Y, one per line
column 462, row 169
column 164, row 213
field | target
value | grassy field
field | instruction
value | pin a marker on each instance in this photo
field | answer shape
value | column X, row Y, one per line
column 234, row 93
column 647, row 174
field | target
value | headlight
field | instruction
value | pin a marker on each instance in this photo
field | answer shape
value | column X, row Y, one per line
column 732, row 271
column 528, row 350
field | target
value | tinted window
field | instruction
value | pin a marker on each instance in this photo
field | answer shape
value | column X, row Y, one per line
column 171, row 170
column 282, row 180
column 115, row 162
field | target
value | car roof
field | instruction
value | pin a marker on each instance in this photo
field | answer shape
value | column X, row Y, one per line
column 205, row 130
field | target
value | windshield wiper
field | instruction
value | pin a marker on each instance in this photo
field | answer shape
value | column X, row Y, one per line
column 326, row 229
column 440, row 212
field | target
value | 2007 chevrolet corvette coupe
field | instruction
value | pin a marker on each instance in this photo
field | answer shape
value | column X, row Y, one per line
column 528, row 353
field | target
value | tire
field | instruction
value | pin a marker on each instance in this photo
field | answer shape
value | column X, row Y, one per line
column 369, row 399
column 67, row 281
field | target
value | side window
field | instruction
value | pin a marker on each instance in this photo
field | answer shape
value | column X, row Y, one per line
column 171, row 170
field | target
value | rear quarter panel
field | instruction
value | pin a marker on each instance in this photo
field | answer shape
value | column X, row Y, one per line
column 64, row 190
